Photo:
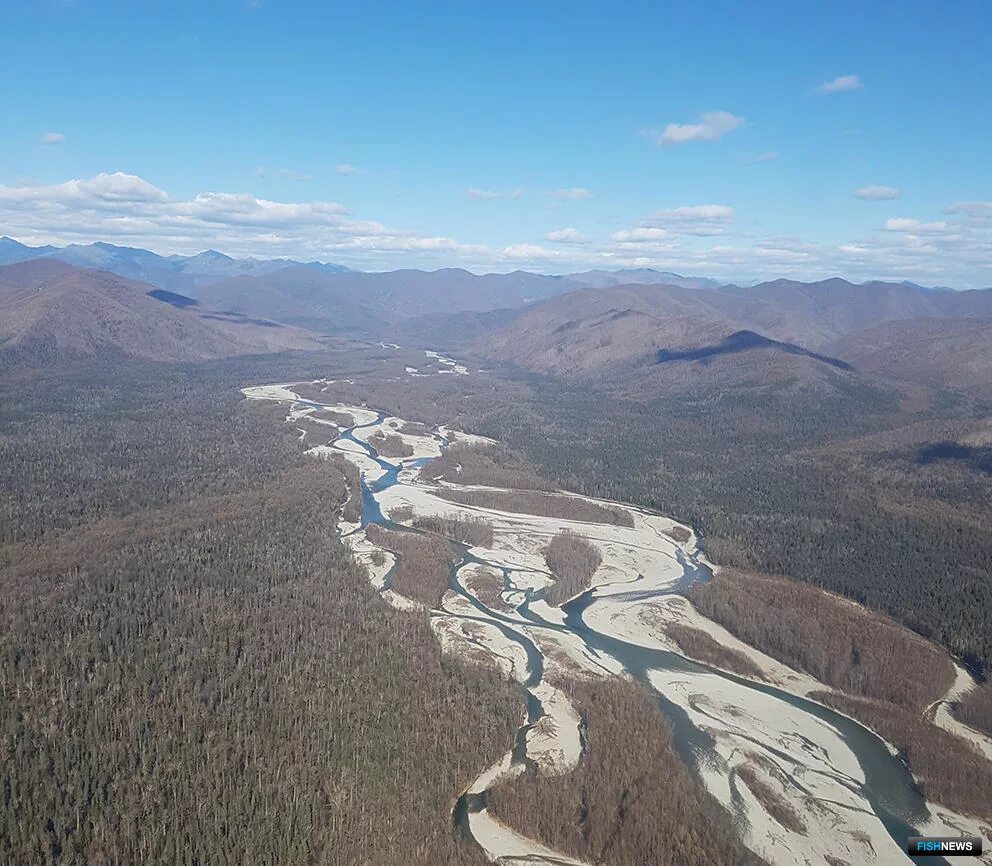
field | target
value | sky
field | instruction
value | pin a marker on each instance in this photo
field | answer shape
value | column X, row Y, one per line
column 733, row 140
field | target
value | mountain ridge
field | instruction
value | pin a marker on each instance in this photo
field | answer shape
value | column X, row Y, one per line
column 51, row 311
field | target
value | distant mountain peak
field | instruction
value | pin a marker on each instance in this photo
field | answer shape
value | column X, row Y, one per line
column 214, row 254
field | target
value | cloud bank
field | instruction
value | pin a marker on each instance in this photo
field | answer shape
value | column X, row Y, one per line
column 702, row 239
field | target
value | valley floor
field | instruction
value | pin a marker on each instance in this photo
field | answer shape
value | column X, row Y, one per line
column 799, row 782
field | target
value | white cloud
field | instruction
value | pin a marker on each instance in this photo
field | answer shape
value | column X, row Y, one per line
column 902, row 224
column 841, row 84
column 574, row 194
column 96, row 192
column 694, row 239
column 124, row 208
column 782, row 255
column 874, row 192
column 712, row 125
column 767, row 156
column 700, row 219
column 705, row 212
column 972, row 209
column 52, row 138
column 347, row 168
column 528, row 253
column 567, row 236
column 640, row 235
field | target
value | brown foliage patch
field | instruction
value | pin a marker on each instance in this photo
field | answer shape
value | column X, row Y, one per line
column 468, row 530
column 343, row 420
column 630, row 800
column 774, row 803
column 486, row 584
column 543, row 504
column 422, row 563
column 488, row 465
column 414, row 428
column 976, row 709
column 698, row 645
column 573, row 561
column 352, row 510
column 315, row 433
column 390, row 445
column 834, row 640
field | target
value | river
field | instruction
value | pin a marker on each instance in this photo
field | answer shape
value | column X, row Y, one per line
column 881, row 786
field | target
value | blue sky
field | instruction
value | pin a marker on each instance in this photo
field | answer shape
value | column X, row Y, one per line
column 725, row 139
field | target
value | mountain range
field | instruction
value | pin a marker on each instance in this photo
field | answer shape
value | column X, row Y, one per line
column 176, row 273
column 895, row 331
column 646, row 329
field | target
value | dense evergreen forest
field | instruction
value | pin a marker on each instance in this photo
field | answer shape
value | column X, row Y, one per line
column 192, row 669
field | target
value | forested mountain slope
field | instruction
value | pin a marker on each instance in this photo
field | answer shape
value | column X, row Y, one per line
column 51, row 311
column 590, row 329
column 301, row 295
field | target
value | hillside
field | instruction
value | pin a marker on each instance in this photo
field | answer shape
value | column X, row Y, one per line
column 592, row 330
column 50, row 311
column 354, row 301
column 950, row 353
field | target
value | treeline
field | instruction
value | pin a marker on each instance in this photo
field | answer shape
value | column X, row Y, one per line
column 840, row 644
column 542, row 504
column 631, row 800
column 573, row 561
column 192, row 669
column 473, row 531
column 489, row 465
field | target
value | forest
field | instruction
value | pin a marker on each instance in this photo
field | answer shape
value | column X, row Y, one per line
column 631, row 801
column 801, row 487
column 192, row 669
column 182, row 632
column 825, row 486
column 886, row 676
